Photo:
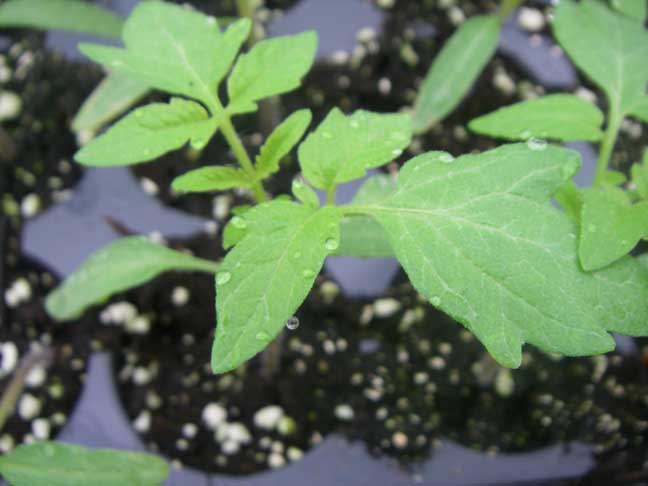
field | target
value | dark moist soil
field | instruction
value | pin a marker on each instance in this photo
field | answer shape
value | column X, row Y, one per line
column 51, row 392
column 37, row 142
column 37, row 147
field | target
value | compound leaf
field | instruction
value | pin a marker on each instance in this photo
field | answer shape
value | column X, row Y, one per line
column 119, row 266
column 344, row 147
column 267, row 275
column 72, row 15
column 559, row 117
column 479, row 238
column 59, row 464
column 174, row 49
column 112, row 97
column 611, row 226
column 214, row 178
column 609, row 47
column 455, row 70
column 148, row 132
column 281, row 141
column 272, row 67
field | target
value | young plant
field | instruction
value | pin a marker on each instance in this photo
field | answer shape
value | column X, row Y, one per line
column 611, row 49
column 477, row 235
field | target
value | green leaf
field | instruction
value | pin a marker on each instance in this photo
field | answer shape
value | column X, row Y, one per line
column 570, row 199
column 281, row 141
column 72, row 15
column 494, row 254
column 636, row 9
column 174, row 49
column 639, row 174
column 344, row 147
column 305, row 194
column 610, row 48
column 559, row 117
column 112, row 97
column 60, row 464
column 119, row 266
column 267, row 276
column 455, row 69
column 214, row 178
column 272, row 67
column 363, row 236
column 149, row 132
column 611, row 226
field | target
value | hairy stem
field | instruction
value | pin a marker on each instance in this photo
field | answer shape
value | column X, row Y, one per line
column 506, row 7
column 36, row 357
column 607, row 144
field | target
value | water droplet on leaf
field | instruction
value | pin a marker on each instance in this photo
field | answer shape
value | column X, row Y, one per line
column 354, row 124
column 536, row 144
column 263, row 336
column 223, row 277
column 446, row 158
column 198, row 144
column 297, row 255
column 292, row 323
column 331, row 244
column 435, row 301
column 308, row 273
column 326, row 135
column 397, row 152
column 239, row 222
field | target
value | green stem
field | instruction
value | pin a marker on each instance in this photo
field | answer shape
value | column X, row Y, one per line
column 229, row 132
column 607, row 144
column 506, row 7
column 330, row 196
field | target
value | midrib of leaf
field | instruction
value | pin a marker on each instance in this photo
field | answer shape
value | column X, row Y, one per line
column 284, row 253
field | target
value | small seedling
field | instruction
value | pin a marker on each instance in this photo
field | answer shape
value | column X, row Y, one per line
column 477, row 234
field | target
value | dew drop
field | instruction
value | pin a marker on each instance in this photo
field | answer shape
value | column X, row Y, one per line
column 308, row 273
column 263, row 336
column 292, row 323
column 397, row 152
column 223, row 277
column 331, row 244
column 446, row 158
column 211, row 20
column 198, row 144
column 239, row 222
column 326, row 135
column 354, row 124
column 536, row 144
column 435, row 301
column 297, row 255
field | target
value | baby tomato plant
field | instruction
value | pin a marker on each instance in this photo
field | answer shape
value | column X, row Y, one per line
column 477, row 234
